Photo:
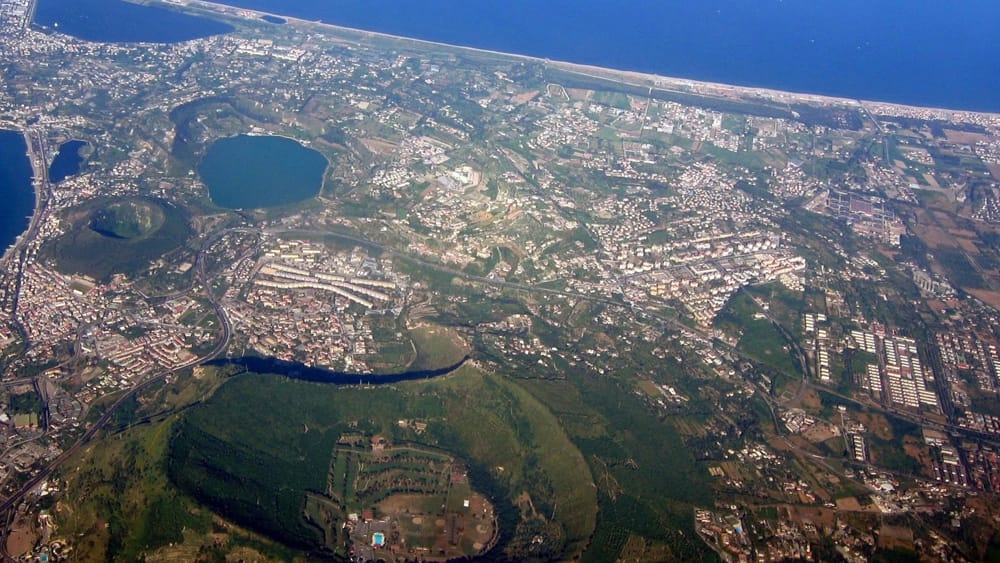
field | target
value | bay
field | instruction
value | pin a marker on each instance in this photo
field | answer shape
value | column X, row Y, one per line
column 920, row 52
column 15, row 187
column 116, row 21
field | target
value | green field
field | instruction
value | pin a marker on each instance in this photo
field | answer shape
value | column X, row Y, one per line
column 359, row 478
column 961, row 271
column 128, row 219
column 120, row 485
column 119, row 501
column 647, row 481
column 437, row 347
column 759, row 338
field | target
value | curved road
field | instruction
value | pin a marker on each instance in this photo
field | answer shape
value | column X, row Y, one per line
column 219, row 347
column 12, row 500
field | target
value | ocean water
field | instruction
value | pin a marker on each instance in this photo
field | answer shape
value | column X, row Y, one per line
column 15, row 187
column 115, row 21
column 922, row 52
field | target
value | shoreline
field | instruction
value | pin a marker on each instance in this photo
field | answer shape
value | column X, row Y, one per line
column 628, row 77
column 688, row 86
column 36, row 191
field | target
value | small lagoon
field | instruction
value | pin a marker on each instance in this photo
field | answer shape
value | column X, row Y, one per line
column 68, row 161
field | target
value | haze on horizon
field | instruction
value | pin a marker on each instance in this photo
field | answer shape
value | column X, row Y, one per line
column 919, row 52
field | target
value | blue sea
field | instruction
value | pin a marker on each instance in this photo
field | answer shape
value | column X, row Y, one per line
column 115, row 21
column 15, row 187
column 921, row 52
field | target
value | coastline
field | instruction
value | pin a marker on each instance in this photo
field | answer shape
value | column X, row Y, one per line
column 628, row 77
column 658, row 82
column 36, row 189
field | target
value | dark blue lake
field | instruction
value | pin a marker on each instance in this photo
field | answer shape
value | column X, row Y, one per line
column 295, row 370
column 115, row 21
column 67, row 161
column 923, row 52
column 15, row 187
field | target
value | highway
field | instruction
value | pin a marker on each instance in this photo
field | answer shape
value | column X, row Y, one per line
column 38, row 157
column 495, row 282
column 11, row 501
column 220, row 346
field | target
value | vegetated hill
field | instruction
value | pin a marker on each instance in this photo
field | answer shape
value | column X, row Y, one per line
column 118, row 237
column 128, row 219
column 255, row 450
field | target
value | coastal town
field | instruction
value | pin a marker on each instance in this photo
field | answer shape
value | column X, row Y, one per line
column 804, row 290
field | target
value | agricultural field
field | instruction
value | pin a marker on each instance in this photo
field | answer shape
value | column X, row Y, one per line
column 757, row 335
column 401, row 501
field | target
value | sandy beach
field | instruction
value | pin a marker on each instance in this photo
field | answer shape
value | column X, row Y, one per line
column 632, row 78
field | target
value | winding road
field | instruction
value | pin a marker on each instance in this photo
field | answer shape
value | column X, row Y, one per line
column 220, row 346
